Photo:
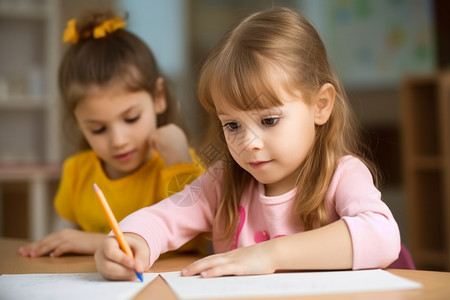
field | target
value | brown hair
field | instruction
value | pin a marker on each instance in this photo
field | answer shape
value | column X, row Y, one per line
column 120, row 57
column 240, row 69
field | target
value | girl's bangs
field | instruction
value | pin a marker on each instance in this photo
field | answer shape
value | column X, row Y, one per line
column 244, row 84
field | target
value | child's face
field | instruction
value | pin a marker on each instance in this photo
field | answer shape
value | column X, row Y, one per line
column 117, row 125
column 270, row 144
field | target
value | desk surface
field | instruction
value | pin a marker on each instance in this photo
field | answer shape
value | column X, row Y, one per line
column 436, row 285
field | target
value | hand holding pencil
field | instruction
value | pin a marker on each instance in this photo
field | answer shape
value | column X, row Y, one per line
column 114, row 225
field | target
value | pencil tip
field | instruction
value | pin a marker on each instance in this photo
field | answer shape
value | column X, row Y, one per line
column 139, row 275
column 96, row 188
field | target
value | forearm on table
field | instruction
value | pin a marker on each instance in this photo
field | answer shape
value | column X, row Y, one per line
column 328, row 247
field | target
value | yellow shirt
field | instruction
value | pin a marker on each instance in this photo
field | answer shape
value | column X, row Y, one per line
column 76, row 201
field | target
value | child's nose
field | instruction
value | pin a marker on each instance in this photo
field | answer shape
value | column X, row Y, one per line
column 253, row 140
column 118, row 137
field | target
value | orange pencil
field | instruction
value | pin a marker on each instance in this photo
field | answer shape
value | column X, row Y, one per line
column 114, row 225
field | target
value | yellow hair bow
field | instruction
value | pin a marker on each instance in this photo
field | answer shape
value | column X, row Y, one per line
column 70, row 34
column 108, row 26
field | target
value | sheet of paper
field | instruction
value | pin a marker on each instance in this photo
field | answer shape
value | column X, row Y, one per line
column 285, row 284
column 70, row 286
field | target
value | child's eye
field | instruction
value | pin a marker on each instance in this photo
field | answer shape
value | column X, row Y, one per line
column 99, row 130
column 270, row 121
column 132, row 120
column 232, row 126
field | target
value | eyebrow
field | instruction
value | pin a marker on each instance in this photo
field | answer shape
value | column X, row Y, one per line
column 256, row 111
column 122, row 113
column 219, row 112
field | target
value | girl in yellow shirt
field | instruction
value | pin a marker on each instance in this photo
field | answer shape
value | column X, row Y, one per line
column 136, row 153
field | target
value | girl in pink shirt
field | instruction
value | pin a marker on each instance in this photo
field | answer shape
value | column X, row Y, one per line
column 289, row 186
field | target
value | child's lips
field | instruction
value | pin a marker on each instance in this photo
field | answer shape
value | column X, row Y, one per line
column 258, row 164
column 124, row 157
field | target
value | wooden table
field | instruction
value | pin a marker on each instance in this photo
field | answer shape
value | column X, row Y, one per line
column 436, row 285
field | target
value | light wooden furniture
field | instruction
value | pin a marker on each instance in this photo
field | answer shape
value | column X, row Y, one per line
column 31, row 49
column 32, row 143
column 426, row 150
column 435, row 284
column 30, row 125
column 29, row 106
column 37, row 177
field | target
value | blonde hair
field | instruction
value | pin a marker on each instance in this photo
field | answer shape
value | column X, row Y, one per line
column 240, row 69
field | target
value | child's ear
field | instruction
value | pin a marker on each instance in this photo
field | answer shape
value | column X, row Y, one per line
column 159, row 101
column 324, row 102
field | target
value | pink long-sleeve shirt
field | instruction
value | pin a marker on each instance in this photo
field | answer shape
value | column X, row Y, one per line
column 351, row 196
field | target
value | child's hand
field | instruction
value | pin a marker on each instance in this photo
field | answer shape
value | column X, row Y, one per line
column 171, row 143
column 255, row 259
column 64, row 241
column 114, row 264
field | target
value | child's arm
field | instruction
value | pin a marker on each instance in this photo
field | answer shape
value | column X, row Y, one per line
column 171, row 143
column 114, row 264
column 328, row 247
column 67, row 240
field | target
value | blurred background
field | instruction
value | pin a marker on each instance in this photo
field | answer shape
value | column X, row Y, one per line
column 391, row 55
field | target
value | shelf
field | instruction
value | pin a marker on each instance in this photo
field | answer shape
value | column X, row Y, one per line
column 29, row 104
column 23, row 171
column 422, row 110
column 32, row 146
column 23, row 9
column 426, row 153
column 427, row 162
column 432, row 258
column 23, row 102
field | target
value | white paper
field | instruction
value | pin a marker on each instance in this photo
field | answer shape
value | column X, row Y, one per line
column 285, row 284
column 77, row 286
